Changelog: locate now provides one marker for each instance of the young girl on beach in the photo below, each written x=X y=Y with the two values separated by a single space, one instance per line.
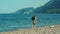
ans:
x=34 y=20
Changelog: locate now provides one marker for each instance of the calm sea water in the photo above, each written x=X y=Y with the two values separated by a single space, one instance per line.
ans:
x=14 y=21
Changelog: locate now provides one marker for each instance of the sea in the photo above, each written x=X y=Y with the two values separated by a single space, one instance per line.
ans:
x=21 y=21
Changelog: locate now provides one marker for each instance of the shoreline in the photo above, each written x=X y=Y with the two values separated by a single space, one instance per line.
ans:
x=22 y=28
x=39 y=30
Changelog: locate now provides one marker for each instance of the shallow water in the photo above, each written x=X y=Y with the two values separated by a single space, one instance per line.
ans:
x=14 y=21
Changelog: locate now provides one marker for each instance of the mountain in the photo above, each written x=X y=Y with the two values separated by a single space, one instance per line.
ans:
x=53 y=6
x=25 y=11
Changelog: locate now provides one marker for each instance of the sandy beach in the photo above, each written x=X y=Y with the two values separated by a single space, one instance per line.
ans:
x=53 y=29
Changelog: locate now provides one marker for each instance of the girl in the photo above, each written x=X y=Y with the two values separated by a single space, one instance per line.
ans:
x=34 y=20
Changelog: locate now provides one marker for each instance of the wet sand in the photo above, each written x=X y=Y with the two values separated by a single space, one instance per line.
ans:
x=53 y=29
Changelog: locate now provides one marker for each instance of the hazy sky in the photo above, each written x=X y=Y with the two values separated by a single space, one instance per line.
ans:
x=8 y=6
